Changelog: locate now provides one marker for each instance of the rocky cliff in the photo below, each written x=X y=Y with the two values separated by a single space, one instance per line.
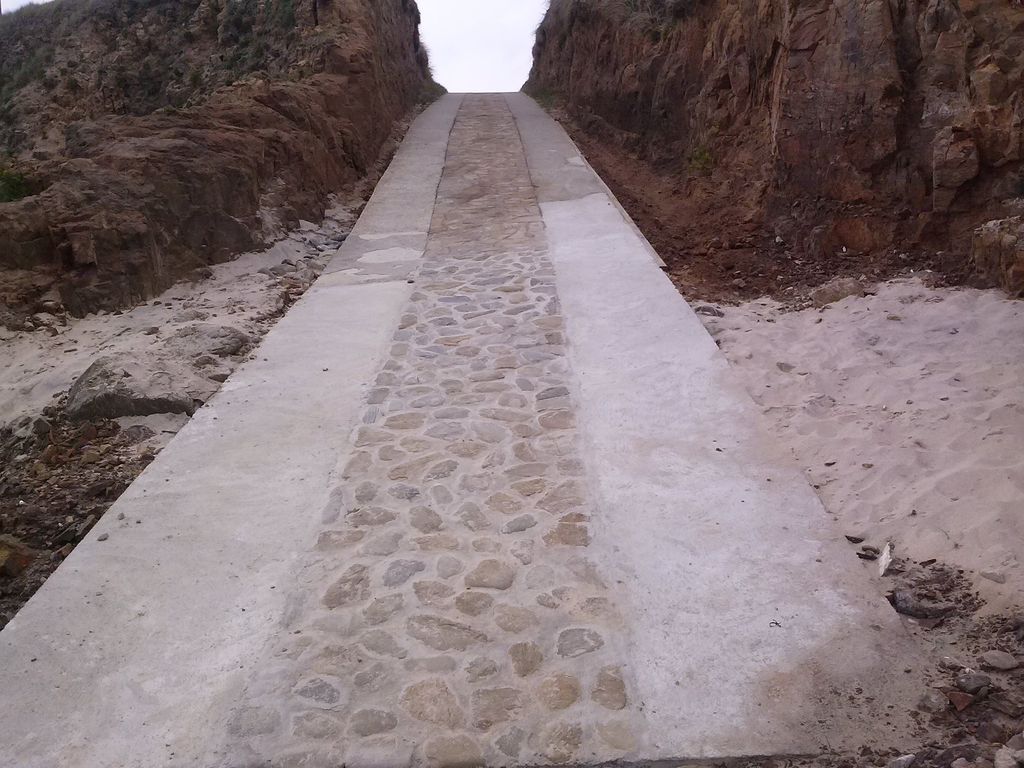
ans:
x=842 y=133
x=148 y=138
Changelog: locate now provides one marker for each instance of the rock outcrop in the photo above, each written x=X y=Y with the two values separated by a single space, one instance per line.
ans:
x=860 y=126
x=164 y=136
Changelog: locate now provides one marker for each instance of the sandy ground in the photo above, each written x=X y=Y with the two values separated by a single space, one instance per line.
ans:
x=906 y=409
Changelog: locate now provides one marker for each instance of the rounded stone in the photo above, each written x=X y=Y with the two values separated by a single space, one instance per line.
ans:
x=383 y=644
x=523 y=550
x=576 y=642
x=353 y=587
x=561 y=741
x=432 y=592
x=617 y=735
x=480 y=668
x=405 y=421
x=568 y=535
x=559 y=691
x=431 y=701
x=383 y=545
x=466 y=449
x=453 y=752
x=1000 y=660
x=443 y=634
x=496 y=705
x=371 y=679
x=610 y=689
x=491 y=574
x=473 y=603
x=513 y=619
x=316 y=725
x=526 y=658
x=448 y=566
x=557 y=420
x=367 y=722
x=442 y=470
x=530 y=487
x=511 y=743
x=400 y=571
x=404 y=492
x=365 y=492
x=370 y=516
x=329 y=540
x=519 y=524
x=473 y=517
x=425 y=519
x=382 y=609
x=319 y=690
x=441 y=494
x=437 y=541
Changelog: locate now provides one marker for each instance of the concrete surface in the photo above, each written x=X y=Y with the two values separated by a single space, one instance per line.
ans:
x=488 y=495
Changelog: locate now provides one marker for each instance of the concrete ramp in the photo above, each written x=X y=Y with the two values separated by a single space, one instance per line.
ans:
x=488 y=495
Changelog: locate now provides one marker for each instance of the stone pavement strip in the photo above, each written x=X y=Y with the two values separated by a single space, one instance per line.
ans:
x=454 y=573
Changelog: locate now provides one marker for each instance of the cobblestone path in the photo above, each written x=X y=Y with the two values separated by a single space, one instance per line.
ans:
x=452 y=615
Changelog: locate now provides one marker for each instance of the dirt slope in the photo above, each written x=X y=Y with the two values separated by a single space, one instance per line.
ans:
x=167 y=135
x=845 y=133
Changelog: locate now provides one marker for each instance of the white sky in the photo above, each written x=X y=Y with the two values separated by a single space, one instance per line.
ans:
x=481 y=45
x=475 y=45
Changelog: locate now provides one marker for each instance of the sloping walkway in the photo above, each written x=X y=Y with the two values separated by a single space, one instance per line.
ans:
x=487 y=495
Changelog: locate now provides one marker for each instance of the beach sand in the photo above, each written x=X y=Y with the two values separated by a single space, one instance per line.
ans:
x=906 y=410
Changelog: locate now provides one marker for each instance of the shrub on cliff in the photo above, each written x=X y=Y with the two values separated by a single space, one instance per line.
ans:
x=13 y=186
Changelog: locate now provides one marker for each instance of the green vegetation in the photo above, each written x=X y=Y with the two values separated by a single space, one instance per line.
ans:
x=701 y=161
x=432 y=91
x=13 y=186
x=547 y=99
x=283 y=13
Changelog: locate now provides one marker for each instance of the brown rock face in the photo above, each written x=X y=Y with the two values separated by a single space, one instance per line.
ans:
x=998 y=252
x=864 y=125
x=165 y=136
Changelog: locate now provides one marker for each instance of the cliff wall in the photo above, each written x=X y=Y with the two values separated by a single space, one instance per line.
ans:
x=845 y=131
x=155 y=137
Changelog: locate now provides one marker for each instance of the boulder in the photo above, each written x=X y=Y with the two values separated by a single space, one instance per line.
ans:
x=112 y=387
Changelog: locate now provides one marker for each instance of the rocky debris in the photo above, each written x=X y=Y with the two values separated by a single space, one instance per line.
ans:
x=57 y=478
x=973 y=682
x=906 y=603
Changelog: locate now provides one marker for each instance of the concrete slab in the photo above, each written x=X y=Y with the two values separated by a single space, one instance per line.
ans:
x=754 y=632
x=487 y=496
